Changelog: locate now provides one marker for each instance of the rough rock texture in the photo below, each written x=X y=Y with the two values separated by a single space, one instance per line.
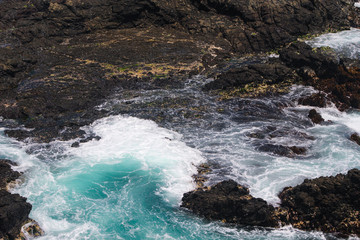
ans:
x=328 y=204
x=315 y=100
x=7 y=175
x=59 y=59
x=315 y=116
x=321 y=69
x=14 y=210
x=337 y=80
x=231 y=203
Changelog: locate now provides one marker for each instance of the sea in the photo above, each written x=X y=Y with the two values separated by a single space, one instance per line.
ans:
x=129 y=184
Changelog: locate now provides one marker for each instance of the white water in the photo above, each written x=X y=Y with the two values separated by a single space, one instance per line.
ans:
x=129 y=184
x=346 y=43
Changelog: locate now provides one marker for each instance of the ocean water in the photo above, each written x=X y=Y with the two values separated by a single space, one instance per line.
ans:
x=129 y=184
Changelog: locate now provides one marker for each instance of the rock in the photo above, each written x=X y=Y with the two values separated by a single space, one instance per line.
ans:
x=259 y=73
x=355 y=138
x=231 y=203
x=7 y=175
x=283 y=150
x=60 y=59
x=322 y=69
x=31 y=229
x=315 y=116
x=14 y=210
x=298 y=150
x=328 y=204
x=315 y=100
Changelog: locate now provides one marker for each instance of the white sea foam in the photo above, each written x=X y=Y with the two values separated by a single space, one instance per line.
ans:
x=144 y=141
x=346 y=43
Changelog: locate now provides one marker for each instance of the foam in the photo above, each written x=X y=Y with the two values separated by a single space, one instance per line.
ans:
x=144 y=141
x=346 y=43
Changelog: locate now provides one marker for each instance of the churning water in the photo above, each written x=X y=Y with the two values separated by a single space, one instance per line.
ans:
x=129 y=184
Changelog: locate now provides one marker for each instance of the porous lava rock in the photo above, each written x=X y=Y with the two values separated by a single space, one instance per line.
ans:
x=14 y=210
x=229 y=202
x=328 y=204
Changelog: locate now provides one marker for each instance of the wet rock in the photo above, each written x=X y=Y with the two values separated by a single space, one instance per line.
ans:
x=7 y=175
x=247 y=78
x=328 y=204
x=315 y=100
x=14 y=210
x=355 y=138
x=231 y=203
x=283 y=150
x=276 y=149
x=31 y=229
x=298 y=150
x=322 y=69
x=315 y=116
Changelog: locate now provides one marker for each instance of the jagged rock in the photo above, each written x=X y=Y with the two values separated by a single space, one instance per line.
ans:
x=229 y=202
x=60 y=59
x=14 y=210
x=315 y=116
x=7 y=175
x=328 y=204
x=322 y=69
x=315 y=100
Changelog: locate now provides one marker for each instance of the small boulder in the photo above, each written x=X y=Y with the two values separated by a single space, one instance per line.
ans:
x=315 y=116
x=355 y=137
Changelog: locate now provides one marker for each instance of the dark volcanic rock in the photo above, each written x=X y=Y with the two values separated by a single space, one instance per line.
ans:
x=231 y=203
x=14 y=211
x=7 y=175
x=321 y=68
x=328 y=204
x=282 y=150
x=355 y=137
x=315 y=116
x=315 y=100
x=259 y=73
x=59 y=59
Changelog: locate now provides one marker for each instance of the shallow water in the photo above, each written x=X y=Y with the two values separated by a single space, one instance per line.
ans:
x=129 y=184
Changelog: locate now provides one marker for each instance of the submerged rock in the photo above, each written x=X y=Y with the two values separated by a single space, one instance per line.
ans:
x=283 y=150
x=229 y=202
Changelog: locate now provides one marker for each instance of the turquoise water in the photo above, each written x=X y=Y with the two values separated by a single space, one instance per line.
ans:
x=129 y=184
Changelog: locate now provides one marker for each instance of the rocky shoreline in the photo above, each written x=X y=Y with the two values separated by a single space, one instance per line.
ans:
x=327 y=204
x=60 y=59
